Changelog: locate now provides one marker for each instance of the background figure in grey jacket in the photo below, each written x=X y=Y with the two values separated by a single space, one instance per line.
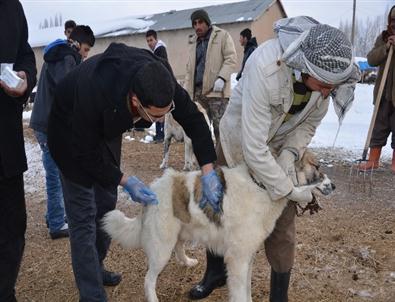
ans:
x=385 y=120
x=249 y=43
x=60 y=58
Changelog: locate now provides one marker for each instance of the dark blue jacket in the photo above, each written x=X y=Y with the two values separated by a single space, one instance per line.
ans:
x=248 y=50
x=59 y=59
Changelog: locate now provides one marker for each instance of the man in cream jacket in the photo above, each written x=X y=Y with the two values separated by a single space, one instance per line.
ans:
x=272 y=116
x=212 y=59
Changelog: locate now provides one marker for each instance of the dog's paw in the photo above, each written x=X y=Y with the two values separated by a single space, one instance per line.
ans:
x=163 y=166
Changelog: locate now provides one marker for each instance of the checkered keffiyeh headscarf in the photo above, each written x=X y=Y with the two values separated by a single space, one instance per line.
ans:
x=322 y=52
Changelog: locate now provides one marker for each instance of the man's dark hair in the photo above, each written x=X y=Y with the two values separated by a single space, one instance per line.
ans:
x=154 y=85
x=246 y=33
x=83 y=34
x=152 y=33
x=69 y=24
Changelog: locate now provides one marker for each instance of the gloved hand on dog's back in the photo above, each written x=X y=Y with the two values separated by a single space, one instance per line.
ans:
x=212 y=191
x=302 y=195
x=139 y=192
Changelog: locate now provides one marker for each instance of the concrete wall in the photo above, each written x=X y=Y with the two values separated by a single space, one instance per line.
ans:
x=177 y=40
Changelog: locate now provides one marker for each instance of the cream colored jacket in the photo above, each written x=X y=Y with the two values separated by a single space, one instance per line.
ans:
x=221 y=59
x=252 y=126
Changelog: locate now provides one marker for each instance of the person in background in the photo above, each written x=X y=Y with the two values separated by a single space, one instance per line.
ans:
x=212 y=59
x=59 y=60
x=69 y=25
x=158 y=47
x=14 y=50
x=385 y=120
x=249 y=43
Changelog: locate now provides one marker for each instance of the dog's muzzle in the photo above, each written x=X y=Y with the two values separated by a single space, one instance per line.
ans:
x=326 y=187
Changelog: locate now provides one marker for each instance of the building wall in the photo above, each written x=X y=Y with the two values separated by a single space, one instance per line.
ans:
x=177 y=40
x=262 y=28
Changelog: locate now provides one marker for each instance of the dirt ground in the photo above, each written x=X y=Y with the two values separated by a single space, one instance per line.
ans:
x=346 y=252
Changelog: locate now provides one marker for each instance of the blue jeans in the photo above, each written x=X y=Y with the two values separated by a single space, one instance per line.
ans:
x=55 y=206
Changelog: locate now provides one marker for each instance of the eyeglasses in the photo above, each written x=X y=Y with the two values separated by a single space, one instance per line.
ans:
x=154 y=119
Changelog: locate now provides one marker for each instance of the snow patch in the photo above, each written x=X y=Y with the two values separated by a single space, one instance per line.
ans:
x=35 y=175
x=26 y=115
x=355 y=125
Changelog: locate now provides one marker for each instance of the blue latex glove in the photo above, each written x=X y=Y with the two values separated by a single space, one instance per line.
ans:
x=212 y=191
x=139 y=191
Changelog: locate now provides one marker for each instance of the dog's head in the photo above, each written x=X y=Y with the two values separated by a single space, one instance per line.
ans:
x=307 y=171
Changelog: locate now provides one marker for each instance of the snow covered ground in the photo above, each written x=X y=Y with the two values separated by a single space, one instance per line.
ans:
x=355 y=126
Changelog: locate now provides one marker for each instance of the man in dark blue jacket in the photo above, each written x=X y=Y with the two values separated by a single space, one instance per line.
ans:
x=60 y=58
x=249 y=43
x=158 y=47
x=14 y=50
x=122 y=88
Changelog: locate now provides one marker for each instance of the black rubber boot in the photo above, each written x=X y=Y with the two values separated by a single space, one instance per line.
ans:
x=279 y=283
x=214 y=277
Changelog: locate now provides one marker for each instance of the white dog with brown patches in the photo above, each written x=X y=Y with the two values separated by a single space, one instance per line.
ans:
x=247 y=219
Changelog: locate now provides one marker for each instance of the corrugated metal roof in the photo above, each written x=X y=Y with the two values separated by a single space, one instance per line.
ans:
x=219 y=14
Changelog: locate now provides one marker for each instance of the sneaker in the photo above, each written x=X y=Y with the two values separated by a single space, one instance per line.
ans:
x=62 y=233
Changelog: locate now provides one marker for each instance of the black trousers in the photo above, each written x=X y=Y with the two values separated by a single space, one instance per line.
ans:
x=85 y=207
x=12 y=234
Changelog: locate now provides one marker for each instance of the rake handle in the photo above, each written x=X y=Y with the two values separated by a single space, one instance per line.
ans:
x=378 y=101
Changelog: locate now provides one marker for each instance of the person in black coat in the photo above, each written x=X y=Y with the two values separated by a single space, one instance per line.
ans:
x=122 y=88
x=14 y=50
x=249 y=43
x=158 y=47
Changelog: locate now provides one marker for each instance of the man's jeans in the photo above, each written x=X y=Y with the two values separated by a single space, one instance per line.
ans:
x=85 y=207
x=55 y=206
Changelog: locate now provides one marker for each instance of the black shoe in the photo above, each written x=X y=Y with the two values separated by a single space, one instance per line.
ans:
x=214 y=277
x=59 y=234
x=111 y=278
x=62 y=233
x=279 y=283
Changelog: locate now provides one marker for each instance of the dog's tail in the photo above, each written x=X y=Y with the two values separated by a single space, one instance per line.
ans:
x=122 y=229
